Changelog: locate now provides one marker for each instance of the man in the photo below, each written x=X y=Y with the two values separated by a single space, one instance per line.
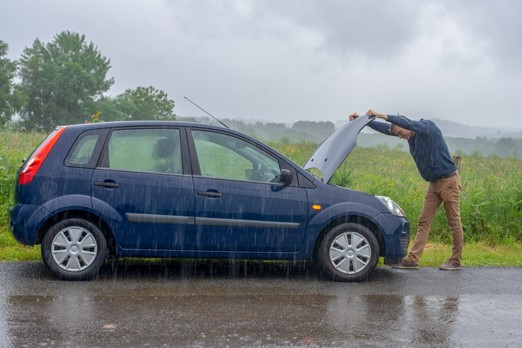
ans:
x=431 y=155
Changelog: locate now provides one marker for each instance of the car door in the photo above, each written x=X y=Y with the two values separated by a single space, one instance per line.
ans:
x=144 y=177
x=240 y=203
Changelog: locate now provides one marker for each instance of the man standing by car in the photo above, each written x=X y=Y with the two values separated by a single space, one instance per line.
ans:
x=431 y=155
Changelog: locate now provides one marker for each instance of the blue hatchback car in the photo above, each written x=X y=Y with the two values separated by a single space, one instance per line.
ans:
x=186 y=190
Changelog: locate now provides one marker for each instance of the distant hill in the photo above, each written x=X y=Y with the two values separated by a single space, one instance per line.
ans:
x=457 y=130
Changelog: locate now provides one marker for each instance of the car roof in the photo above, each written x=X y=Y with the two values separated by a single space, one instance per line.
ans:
x=149 y=123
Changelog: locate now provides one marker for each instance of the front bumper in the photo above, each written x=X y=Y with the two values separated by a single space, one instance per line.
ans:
x=400 y=248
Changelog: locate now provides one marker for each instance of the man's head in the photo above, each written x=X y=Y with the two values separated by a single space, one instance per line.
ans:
x=401 y=132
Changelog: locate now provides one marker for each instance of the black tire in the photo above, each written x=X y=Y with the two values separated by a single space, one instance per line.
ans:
x=349 y=252
x=74 y=249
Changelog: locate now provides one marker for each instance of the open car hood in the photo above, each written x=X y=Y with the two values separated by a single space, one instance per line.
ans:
x=334 y=149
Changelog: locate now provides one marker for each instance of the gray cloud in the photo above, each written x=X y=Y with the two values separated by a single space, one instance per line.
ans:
x=497 y=24
x=373 y=28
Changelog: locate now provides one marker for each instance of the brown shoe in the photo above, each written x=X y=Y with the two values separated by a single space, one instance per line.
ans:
x=406 y=264
x=450 y=266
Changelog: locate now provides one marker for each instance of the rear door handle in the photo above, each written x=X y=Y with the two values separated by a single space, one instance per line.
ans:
x=107 y=184
x=213 y=194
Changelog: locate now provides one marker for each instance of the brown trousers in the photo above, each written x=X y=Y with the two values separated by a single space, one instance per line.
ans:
x=447 y=192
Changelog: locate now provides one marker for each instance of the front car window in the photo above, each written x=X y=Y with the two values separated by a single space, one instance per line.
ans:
x=144 y=150
x=228 y=157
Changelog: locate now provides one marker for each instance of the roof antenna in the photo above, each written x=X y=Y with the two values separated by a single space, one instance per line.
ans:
x=199 y=107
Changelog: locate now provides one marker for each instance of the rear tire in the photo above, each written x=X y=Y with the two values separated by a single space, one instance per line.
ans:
x=349 y=252
x=74 y=249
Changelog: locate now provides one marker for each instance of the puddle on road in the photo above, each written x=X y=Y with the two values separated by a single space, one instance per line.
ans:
x=155 y=305
x=210 y=316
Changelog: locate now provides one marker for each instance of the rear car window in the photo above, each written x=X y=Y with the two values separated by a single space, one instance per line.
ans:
x=144 y=150
x=83 y=150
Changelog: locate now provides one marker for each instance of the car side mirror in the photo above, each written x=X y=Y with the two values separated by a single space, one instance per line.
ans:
x=286 y=177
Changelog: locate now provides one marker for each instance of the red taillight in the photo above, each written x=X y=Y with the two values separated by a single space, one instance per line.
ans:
x=33 y=164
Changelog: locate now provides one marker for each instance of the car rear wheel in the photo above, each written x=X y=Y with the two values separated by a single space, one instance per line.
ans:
x=349 y=252
x=74 y=249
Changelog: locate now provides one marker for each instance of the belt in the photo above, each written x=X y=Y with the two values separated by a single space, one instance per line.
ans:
x=446 y=176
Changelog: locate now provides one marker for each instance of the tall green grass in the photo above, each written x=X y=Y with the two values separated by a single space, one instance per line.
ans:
x=14 y=147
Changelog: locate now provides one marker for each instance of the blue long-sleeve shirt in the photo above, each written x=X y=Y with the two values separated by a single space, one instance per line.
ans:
x=427 y=147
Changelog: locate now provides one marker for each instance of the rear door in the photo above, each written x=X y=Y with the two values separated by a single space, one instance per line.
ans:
x=144 y=177
x=240 y=204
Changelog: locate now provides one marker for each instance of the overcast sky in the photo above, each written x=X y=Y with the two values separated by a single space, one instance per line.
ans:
x=290 y=60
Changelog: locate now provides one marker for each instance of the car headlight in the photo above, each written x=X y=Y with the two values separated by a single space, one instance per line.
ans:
x=393 y=207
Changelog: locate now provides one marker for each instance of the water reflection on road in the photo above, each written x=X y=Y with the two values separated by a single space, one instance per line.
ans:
x=263 y=306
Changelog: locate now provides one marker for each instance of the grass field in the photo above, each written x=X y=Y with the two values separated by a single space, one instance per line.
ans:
x=491 y=202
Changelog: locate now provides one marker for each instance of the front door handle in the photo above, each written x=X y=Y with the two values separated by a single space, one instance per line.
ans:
x=213 y=194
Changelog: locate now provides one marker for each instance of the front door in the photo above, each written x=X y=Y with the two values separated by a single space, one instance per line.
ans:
x=240 y=204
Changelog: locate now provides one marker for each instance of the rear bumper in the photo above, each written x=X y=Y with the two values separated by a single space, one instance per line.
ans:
x=25 y=220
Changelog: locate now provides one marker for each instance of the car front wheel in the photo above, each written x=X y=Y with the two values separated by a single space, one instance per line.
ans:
x=349 y=252
x=74 y=249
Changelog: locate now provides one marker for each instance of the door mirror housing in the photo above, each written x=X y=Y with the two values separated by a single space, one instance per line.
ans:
x=286 y=177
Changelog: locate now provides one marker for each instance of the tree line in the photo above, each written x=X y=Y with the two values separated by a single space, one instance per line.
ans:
x=63 y=82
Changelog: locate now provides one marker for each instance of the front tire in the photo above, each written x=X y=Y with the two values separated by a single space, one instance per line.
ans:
x=74 y=249
x=349 y=252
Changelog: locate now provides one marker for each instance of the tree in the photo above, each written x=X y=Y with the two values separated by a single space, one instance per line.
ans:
x=62 y=81
x=9 y=101
x=506 y=147
x=108 y=110
x=145 y=103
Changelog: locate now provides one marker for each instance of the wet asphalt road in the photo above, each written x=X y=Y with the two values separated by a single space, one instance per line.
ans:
x=213 y=304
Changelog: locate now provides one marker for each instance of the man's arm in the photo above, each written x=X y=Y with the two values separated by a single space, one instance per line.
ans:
x=418 y=127
x=381 y=127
